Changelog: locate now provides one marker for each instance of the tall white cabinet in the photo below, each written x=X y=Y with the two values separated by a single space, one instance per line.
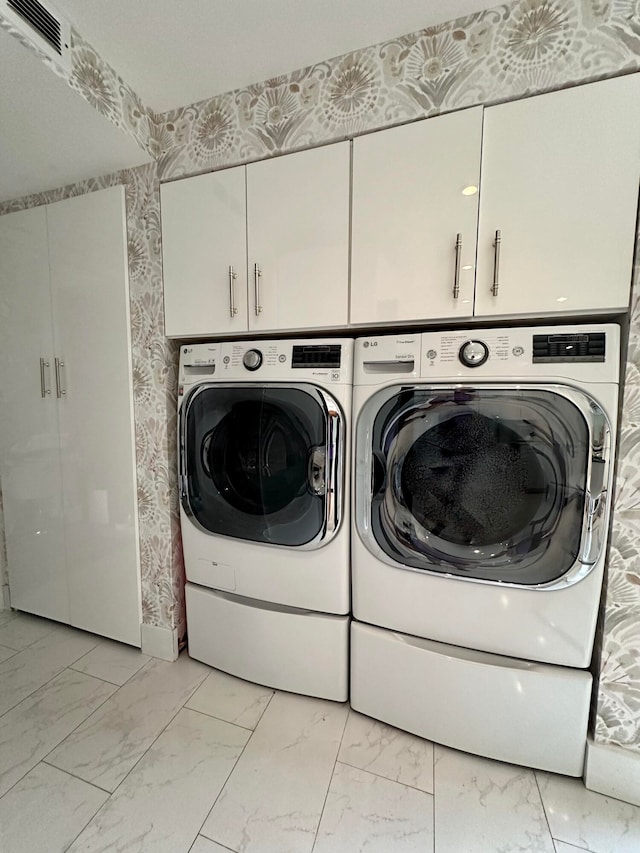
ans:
x=67 y=468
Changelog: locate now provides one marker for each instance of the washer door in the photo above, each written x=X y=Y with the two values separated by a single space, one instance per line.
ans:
x=495 y=484
x=262 y=463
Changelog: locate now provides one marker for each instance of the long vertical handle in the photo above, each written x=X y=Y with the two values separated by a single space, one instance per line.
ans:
x=232 y=292
x=496 y=263
x=60 y=391
x=43 y=385
x=257 y=274
x=456 y=276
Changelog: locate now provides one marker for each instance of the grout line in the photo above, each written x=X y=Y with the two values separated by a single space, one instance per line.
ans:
x=326 y=796
x=220 y=792
x=73 y=776
x=544 y=810
x=386 y=778
x=219 y=719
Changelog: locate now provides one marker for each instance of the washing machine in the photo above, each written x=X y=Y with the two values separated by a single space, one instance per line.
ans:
x=264 y=432
x=483 y=470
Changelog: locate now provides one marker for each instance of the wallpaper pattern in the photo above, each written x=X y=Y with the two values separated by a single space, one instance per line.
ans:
x=515 y=49
x=155 y=379
x=509 y=51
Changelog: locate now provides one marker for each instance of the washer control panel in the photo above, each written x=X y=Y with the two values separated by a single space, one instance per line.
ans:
x=473 y=353
x=252 y=359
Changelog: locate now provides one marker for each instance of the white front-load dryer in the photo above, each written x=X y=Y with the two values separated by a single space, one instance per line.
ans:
x=483 y=464
x=264 y=432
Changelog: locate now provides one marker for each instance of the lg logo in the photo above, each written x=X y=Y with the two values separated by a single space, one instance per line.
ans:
x=366 y=344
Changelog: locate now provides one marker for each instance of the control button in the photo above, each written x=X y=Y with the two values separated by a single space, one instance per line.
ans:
x=431 y=354
x=282 y=358
x=226 y=359
x=518 y=351
x=473 y=353
x=252 y=359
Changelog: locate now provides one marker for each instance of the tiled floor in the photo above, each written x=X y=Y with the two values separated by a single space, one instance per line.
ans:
x=104 y=749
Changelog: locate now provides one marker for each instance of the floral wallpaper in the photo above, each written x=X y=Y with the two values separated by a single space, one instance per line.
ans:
x=509 y=51
x=155 y=379
x=513 y=50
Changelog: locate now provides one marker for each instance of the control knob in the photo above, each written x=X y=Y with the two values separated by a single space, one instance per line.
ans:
x=252 y=359
x=473 y=353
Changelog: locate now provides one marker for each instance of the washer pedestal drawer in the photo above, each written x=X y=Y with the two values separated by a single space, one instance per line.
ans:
x=503 y=708
x=281 y=647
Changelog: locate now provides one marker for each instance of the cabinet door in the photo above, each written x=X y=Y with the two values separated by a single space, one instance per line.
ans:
x=560 y=182
x=87 y=247
x=29 y=447
x=298 y=237
x=408 y=208
x=204 y=252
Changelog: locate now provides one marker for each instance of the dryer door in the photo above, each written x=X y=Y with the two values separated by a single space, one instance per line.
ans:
x=262 y=463
x=495 y=484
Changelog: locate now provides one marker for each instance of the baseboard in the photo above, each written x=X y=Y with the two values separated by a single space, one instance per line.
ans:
x=159 y=642
x=613 y=771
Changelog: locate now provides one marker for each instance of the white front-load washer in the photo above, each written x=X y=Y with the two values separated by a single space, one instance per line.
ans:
x=264 y=432
x=482 y=481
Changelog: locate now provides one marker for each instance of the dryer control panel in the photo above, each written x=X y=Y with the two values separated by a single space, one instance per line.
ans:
x=325 y=362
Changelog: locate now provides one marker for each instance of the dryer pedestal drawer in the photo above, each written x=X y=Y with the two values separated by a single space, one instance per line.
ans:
x=281 y=647
x=503 y=708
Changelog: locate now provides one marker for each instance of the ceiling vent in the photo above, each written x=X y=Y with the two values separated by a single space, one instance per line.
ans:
x=42 y=26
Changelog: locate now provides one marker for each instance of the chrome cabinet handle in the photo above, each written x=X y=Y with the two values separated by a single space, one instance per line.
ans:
x=60 y=391
x=232 y=294
x=456 y=276
x=43 y=385
x=496 y=263
x=257 y=274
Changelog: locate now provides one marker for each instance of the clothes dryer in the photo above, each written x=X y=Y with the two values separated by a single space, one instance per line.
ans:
x=264 y=505
x=483 y=474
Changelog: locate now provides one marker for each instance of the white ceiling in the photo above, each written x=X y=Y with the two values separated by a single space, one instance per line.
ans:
x=174 y=53
x=49 y=136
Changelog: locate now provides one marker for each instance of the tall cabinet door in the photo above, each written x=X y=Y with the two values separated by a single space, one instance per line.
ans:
x=409 y=206
x=30 y=476
x=298 y=239
x=204 y=251
x=560 y=183
x=89 y=287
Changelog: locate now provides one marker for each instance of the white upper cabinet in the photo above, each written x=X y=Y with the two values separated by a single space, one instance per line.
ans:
x=298 y=238
x=294 y=211
x=408 y=210
x=560 y=183
x=204 y=250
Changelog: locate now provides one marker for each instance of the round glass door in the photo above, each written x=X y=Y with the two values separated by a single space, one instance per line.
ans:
x=482 y=483
x=253 y=462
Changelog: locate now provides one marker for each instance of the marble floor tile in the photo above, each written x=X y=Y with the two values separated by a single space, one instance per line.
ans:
x=112 y=662
x=108 y=744
x=231 y=699
x=387 y=751
x=26 y=671
x=586 y=819
x=45 y=811
x=21 y=630
x=161 y=805
x=365 y=812
x=273 y=800
x=6 y=652
x=483 y=805
x=203 y=845
x=6 y=615
x=34 y=727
